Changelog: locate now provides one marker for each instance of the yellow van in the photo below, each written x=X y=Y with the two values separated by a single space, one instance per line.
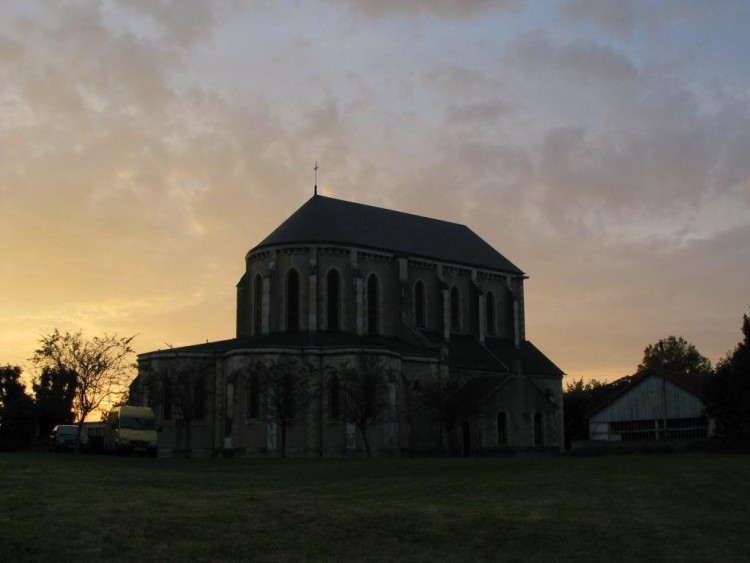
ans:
x=130 y=429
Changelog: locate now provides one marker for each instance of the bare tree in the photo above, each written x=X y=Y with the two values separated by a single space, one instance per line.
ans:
x=439 y=401
x=364 y=387
x=285 y=389
x=186 y=378
x=103 y=367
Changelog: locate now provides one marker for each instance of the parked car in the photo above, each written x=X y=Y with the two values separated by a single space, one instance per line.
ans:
x=94 y=432
x=63 y=438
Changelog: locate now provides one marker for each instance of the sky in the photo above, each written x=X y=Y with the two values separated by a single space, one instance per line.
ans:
x=603 y=146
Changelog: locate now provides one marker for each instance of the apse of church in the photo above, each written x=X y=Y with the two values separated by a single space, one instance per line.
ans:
x=339 y=282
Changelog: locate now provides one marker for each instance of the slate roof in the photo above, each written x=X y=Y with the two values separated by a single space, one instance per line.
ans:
x=495 y=355
x=301 y=340
x=326 y=220
x=464 y=352
x=476 y=391
x=533 y=360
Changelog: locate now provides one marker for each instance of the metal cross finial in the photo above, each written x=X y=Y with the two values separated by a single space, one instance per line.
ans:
x=316 y=177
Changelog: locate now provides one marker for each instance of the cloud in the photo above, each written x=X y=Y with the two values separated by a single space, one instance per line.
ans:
x=577 y=60
x=619 y=17
x=476 y=114
x=183 y=22
x=442 y=9
x=627 y=19
x=145 y=149
x=644 y=147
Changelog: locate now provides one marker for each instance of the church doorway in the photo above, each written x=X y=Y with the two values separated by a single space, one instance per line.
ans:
x=466 y=431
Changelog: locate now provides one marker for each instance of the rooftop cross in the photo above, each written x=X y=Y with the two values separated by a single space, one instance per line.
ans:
x=316 y=177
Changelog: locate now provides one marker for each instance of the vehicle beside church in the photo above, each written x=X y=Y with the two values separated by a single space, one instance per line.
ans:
x=130 y=429
x=63 y=438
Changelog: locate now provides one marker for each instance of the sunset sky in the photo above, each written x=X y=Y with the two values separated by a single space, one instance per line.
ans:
x=603 y=146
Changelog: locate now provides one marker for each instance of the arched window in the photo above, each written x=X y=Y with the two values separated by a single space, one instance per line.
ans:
x=292 y=301
x=199 y=399
x=334 y=398
x=253 y=397
x=419 y=304
x=455 y=310
x=258 y=305
x=369 y=394
x=288 y=398
x=333 y=296
x=538 y=431
x=489 y=316
x=373 y=305
x=502 y=429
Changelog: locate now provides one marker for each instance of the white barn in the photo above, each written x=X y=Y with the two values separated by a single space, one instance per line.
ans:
x=656 y=405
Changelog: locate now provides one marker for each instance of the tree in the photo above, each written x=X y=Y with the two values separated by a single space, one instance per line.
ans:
x=364 y=389
x=578 y=400
x=675 y=354
x=16 y=410
x=102 y=366
x=185 y=378
x=439 y=401
x=285 y=390
x=728 y=401
x=54 y=391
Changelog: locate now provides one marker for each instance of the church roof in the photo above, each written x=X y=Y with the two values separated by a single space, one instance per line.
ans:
x=464 y=352
x=325 y=220
x=532 y=359
x=300 y=341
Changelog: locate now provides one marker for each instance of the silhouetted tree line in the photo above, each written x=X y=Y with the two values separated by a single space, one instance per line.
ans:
x=728 y=394
x=77 y=376
x=23 y=416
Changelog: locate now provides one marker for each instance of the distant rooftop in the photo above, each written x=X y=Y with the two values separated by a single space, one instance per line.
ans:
x=325 y=220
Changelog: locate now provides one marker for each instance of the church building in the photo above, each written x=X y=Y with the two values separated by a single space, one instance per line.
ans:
x=338 y=287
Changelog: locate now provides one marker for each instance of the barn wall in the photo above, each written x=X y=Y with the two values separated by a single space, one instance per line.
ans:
x=653 y=409
x=647 y=401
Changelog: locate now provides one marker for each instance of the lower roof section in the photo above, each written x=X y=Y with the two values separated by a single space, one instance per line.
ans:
x=463 y=352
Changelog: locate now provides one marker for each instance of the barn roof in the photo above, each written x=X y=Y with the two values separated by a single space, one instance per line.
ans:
x=325 y=220
x=691 y=383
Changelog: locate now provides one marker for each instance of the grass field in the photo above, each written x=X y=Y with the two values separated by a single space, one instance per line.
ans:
x=634 y=508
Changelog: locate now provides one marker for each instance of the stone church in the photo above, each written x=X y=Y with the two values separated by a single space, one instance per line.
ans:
x=335 y=283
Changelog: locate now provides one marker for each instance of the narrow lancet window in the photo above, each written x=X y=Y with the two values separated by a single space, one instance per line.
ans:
x=502 y=429
x=419 y=304
x=455 y=310
x=373 y=305
x=489 y=317
x=333 y=296
x=258 y=305
x=538 y=430
x=253 y=398
x=292 y=301
x=334 y=398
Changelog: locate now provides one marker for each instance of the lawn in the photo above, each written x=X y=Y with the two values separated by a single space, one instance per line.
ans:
x=634 y=508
